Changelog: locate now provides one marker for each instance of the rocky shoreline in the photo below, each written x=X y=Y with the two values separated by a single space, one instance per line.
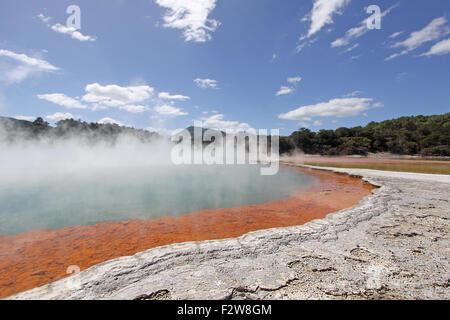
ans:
x=394 y=245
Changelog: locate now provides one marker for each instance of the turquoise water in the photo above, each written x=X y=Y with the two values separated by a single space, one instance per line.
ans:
x=116 y=194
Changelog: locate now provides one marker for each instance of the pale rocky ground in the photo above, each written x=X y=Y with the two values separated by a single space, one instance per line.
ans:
x=394 y=245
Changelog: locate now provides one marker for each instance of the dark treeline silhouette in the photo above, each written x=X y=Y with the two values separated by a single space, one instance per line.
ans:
x=419 y=135
x=13 y=130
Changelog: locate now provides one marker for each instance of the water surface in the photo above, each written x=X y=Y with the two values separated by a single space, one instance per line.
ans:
x=85 y=197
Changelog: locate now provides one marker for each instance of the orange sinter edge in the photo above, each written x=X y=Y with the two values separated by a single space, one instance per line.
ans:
x=32 y=259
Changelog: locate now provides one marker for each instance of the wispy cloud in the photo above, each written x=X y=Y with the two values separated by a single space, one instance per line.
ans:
x=356 y=32
x=432 y=32
x=44 y=18
x=168 y=96
x=439 y=49
x=285 y=90
x=23 y=67
x=62 y=100
x=274 y=57
x=322 y=14
x=167 y=110
x=352 y=94
x=74 y=33
x=206 y=83
x=217 y=122
x=190 y=16
x=395 y=35
x=294 y=80
x=353 y=47
x=57 y=27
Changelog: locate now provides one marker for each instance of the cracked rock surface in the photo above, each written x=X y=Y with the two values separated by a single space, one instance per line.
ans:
x=393 y=245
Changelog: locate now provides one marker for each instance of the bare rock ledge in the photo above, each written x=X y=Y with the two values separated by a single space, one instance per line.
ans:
x=393 y=245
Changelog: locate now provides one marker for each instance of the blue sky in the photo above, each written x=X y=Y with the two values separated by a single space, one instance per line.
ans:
x=234 y=64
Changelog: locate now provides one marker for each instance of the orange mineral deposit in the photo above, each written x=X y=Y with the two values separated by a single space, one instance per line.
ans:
x=33 y=259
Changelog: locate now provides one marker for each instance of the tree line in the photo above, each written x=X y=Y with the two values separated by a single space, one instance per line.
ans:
x=91 y=133
x=416 y=135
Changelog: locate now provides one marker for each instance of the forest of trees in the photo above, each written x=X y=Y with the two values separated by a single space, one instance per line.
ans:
x=419 y=135
x=13 y=130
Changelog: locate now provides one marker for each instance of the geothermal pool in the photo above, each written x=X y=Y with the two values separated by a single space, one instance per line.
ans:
x=229 y=203
x=45 y=200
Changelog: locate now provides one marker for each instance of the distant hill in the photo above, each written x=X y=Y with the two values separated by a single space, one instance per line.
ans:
x=417 y=135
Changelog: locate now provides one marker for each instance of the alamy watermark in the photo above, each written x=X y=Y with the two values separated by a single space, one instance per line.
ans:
x=374 y=21
x=74 y=20
x=200 y=146
x=73 y=283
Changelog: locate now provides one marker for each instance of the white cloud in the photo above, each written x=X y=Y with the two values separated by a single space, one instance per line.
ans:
x=44 y=18
x=216 y=122
x=294 y=80
x=74 y=33
x=339 y=107
x=378 y=105
x=322 y=14
x=60 y=116
x=134 y=108
x=433 y=31
x=133 y=99
x=440 y=48
x=302 y=46
x=284 y=90
x=274 y=57
x=288 y=90
x=24 y=67
x=352 y=94
x=356 y=45
x=27 y=118
x=110 y=121
x=167 y=110
x=40 y=64
x=62 y=100
x=168 y=96
x=114 y=95
x=395 y=35
x=191 y=17
x=358 y=31
x=351 y=34
x=206 y=83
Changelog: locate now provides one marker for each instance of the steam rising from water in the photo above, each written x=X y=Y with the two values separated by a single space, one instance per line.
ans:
x=59 y=183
